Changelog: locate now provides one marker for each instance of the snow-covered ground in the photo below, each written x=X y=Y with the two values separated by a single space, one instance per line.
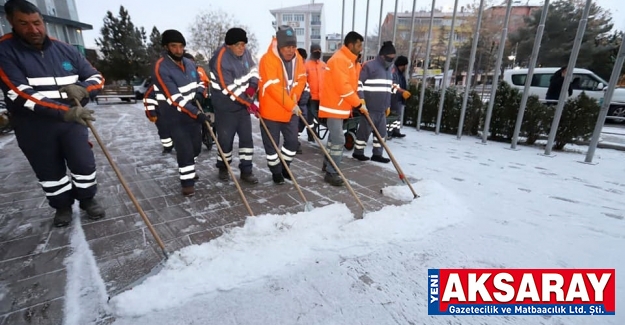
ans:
x=481 y=206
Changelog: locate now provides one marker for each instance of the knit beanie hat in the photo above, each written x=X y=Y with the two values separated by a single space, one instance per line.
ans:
x=401 y=60
x=236 y=35
x=315 y=47
x=172 y=36
x=387 y=48
x=286 y=37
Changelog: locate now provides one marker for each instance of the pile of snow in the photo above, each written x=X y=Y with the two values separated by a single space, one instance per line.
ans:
x=277 y=246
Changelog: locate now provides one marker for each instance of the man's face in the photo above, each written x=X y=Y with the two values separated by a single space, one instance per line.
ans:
x=238 y=48
x=287 y=52
x=402 y=68
x=355 y=48
x=563 y=72
x=175 y=49
x=29 y=27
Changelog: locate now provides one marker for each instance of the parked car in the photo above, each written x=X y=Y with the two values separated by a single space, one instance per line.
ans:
x=587 y=81
x=140 y=86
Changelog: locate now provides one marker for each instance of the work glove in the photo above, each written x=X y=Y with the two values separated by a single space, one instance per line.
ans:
x=75 y=92
x=363 y=107
x=79 y=115
x=253 y=109
x=250 y=92
x=296 y=111
x=153 y=119
x=406 y=94
x=201 y=118
x=388 y=111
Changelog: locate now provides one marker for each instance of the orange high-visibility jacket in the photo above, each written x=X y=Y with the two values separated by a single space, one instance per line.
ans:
x=315 y=70
x=339 y=93
x=275 y=92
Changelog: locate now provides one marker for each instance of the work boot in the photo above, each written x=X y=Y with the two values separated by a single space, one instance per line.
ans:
x=397 y=134
x=196 y=177
x=278 y=178
x=188 y=191
x=249 y=178
x=285 y=174
x=360 y=157
x=63 y=217
x=94 y=210
x=333 y=179
x=324 y=167
x=167 y=150
x=380 y=159
x=223 y=174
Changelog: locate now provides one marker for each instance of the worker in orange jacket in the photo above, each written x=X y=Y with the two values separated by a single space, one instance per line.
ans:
x=282 y=81
x=315 y=69
x=339 y=95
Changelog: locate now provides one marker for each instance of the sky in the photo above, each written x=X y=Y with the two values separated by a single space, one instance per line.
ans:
x=255 y=14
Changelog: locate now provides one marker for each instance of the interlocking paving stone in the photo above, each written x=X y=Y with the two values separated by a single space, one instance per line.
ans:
x=32 y=252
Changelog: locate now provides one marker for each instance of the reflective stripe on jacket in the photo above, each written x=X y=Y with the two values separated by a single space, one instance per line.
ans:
x=175 y=87
x=376 y=85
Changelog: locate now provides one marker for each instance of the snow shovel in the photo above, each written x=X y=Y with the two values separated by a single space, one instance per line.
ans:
x=225 y=160
x=327 y=154
x=145 y=218
x=307 y=205
x=402 y=176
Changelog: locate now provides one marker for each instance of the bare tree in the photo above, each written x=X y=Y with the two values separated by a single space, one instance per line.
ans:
x=208 y=32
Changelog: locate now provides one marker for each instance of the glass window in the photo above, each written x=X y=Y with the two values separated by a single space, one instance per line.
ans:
x=298 y=17
x=299 y=31
x=519 y=79
x=51 y=30
x=541 y=80
x=301 y=45
x=315 y=31
x=584 y=82
x=287 y=17
x=315 y=17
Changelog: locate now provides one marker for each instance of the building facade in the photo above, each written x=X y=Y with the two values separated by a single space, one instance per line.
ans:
x=61 y=18
x=307 y=20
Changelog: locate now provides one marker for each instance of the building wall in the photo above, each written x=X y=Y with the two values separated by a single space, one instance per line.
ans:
x=309 y=25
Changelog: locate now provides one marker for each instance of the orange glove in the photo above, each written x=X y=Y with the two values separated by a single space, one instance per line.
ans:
x=406 y=94
x=152 y=119
x=363 y=107
x=388 y=111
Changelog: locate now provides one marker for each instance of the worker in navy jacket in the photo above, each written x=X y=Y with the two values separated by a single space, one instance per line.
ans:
x=40 y=78
x=176 y=87
x=233 y=86
x=375 y=86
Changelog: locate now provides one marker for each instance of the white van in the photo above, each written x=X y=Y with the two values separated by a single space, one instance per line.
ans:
x=588 y=82
x=140 y=86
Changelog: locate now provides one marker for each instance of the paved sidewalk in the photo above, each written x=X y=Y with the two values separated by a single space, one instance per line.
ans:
x=32 y=252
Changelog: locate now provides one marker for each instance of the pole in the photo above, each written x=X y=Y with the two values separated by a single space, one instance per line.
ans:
x=343 y=21
x=439 y=115
x=569 y=75
x=530 y=75
x=425 y=67
x=395 y=22
x=380 y=24
x=364 y=54
x=354 y=15
x=408 y=71
x=467 y=88
x=496 y=72
x=616 y=72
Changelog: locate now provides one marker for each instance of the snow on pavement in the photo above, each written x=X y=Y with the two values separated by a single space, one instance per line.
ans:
x=481 y=206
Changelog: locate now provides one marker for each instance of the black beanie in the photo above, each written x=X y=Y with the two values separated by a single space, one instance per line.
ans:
x=236 y=35
x=302 y=53
x=172 y=36
x=286 y=37
x=387 y=48
x=401 y=60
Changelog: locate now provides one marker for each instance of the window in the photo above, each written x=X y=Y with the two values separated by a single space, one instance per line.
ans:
x=519 y=79
x=315 y=31
x=332 y=46
x=287 y=17
x=585 y=82
x=298 y=17
x=299 y=31
x=315 y=17
x=301 y=45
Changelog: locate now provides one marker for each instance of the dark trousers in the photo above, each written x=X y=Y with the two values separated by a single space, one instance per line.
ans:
x=289 y=147
x=53 y=146
x=186 y=134
x=227 y=125
x=364 y=130
x=312 y=112
x=163 y=133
